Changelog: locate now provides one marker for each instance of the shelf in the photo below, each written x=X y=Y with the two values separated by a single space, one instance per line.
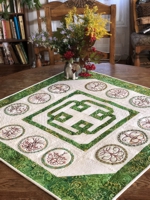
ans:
x=13 y=14
x=11 y=40
x=18 y=50
x=20 y=65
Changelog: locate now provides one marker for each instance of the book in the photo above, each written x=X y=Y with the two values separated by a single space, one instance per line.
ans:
x=1 y=30
x=21 y=25
x=13 y=29
x=17 y=27
x=20 y=53
x=24 y=52
x=16 y=61
x=18 y=5
x=3 y=6
x=1 y=56
x=8 y=56
x=6 y=29
x=11 y=6
x=1 y=33
x=6 y=61
x=15 y=6
x=16 y=52
x=8 y=5
x=1 y=9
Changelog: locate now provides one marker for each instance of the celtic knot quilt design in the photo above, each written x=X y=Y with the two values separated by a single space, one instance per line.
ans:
x=83 y=136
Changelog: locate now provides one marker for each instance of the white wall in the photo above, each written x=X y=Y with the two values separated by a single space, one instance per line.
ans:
x=122 y=27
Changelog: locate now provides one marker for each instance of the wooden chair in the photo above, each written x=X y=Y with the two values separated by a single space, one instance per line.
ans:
x=55 y=11
x=139 y=42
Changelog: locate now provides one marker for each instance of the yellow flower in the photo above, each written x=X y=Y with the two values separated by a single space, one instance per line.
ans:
x=92 y=21
x=70 y=17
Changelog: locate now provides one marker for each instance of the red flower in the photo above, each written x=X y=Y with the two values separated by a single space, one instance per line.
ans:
x=93 y=49
x=68 y=55
x=90 y=66
x=92 y=39
x=85 y=74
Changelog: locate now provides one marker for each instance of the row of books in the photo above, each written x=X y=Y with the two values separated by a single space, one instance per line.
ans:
x=12 y=28
x=12 y=6
x=13 y=53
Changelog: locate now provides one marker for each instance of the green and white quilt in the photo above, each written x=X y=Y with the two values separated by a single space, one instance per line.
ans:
x=85 y=139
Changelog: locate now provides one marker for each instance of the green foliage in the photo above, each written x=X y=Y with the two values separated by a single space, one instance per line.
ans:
x=31 y=4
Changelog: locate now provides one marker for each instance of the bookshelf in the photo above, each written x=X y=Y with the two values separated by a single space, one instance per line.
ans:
x=15 y=51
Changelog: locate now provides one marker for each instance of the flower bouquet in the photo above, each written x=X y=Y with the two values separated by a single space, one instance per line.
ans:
x=76 y=37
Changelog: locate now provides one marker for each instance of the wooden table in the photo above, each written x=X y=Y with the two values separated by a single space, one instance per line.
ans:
x=12 y=185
